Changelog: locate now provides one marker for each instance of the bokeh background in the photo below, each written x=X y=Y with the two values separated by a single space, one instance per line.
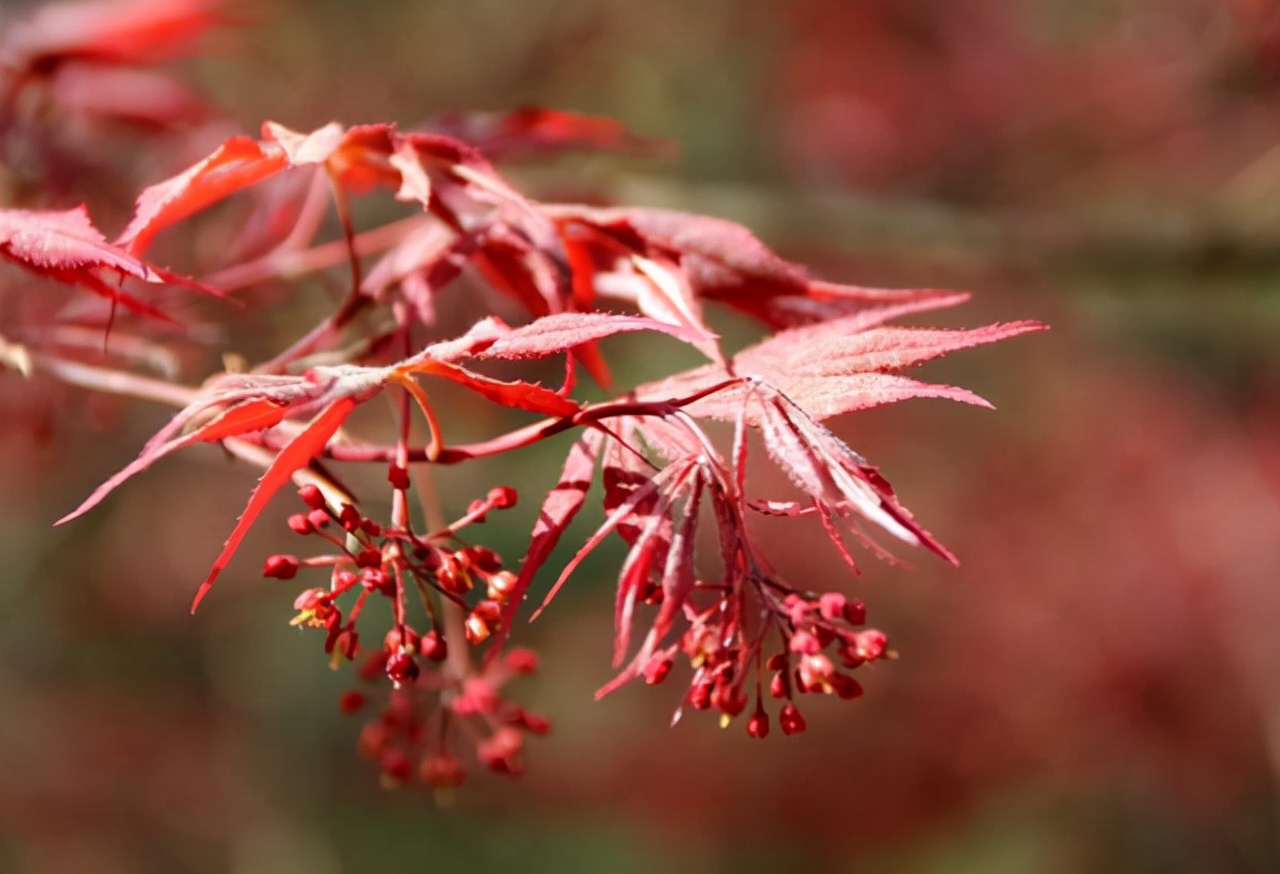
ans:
x=1096 y=689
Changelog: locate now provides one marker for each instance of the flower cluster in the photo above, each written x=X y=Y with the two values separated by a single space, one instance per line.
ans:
x=436 y=699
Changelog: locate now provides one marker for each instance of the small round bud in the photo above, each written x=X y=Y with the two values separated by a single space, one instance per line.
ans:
x=432 y=646
x=502 y=584
x=758 y=724
x=805 y=642
x=402 y=638
x=312 y=496
x=729 y=700
x=871 y=644
x=477 y=629
x=533 y=723
x=442 y=771
x=502 y=497
x=831 y=605
x=501 y=751
x=790 y=720
x=522 y=661
x=396 y=767
x=657 y=669
x=300 y=524
x=281 y=567
x=369 y=557
x=398 y=477
x=349 y=518
x=402 y=668
x=351 y=701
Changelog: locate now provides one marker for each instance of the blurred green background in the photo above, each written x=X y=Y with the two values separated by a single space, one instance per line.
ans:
x=1096 y=689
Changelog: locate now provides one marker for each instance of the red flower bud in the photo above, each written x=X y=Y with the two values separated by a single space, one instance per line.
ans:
x=758 y=724
x=790 y=720
x=522 y=661
x=349 y=519
x=369 y=557
x=831 y=605
x=396 y=767
x=502 y=497
x=300 y=524
x=398 y=477
x=402 y=638
x=477 y=629
x=657 y=669
x=350 y=702
x=871 y=644
x=442 y=771
x=281 y=567
x=312 y=496
x=501 y=584
x=402 y=668
x=432 y=646
x=805 y=642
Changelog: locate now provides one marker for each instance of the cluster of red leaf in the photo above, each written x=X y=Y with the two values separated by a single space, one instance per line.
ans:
x=572 y=277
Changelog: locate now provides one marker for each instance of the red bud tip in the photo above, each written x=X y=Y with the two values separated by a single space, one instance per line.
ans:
x=502 y=497
x=791 y=720
x=522 y=661
x=832 y=605
x=398 y=477
x=280 y=567
x=312 y=497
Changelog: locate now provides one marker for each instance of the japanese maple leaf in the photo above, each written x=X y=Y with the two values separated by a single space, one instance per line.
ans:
x=66 y=247
x=712 y=259
x=115 y=31
x=239 y=405
x=834 y=367
x=535 y=130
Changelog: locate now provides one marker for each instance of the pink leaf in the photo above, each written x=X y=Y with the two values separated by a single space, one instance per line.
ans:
x=559 y=508
x=532 y=129
x=296 y=455
x=236 y=164
x=66 y=247
x=827 y=371
x=553 y=334
x=128 y=32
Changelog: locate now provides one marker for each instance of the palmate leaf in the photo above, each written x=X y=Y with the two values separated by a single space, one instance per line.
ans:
x=565 y=331
x=532 y=130
x=359 y=157
x=833 y=367
x=296 y=455
x=130 y=32
x=716 y=260
x=559 y=509
x=66 y=247
x=236 y=164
